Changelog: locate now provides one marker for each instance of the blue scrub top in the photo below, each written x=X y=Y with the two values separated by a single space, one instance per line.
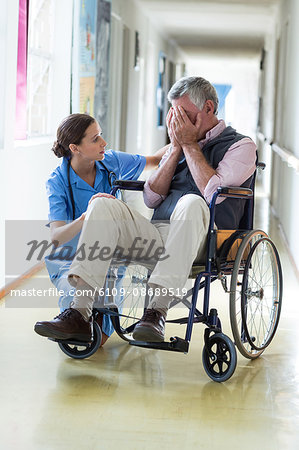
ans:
x=124 y=165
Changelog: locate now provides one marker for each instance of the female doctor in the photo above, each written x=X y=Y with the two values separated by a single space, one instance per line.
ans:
x=81 y=177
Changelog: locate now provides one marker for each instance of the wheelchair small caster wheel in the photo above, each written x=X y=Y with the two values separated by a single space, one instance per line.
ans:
x=81 y=350
x=219 y=357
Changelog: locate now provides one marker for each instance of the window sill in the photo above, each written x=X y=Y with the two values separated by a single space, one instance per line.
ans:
x=34 y=142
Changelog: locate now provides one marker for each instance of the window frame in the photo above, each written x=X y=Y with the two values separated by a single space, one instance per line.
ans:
x=60 y=102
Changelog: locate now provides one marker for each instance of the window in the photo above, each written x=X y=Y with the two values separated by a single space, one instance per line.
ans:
x=41 y=28
x=45 y=48
x=21 y=95
x=2 y=69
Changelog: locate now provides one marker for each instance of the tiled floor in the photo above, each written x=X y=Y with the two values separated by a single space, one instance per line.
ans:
x=132 y=398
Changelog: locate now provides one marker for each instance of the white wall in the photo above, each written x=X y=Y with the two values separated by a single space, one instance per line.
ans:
x=10 y=16
x=285 y=181
x=291 y=116
x=267 y=91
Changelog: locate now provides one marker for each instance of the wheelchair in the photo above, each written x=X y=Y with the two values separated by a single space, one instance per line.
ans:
x=246 y=255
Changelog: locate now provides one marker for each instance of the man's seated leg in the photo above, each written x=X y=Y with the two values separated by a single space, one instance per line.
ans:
x=109 y=224
x=186 y=240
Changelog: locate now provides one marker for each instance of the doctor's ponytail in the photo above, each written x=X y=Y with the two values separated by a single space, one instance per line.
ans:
x=71 y=131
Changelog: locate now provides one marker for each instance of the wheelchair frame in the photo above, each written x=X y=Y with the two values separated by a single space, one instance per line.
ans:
x=219 y=354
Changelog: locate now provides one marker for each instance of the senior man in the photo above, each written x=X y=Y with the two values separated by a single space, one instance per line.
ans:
x=204 y=153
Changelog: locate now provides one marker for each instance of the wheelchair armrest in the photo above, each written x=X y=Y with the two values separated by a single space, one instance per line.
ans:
x=128 y=185
x=234 y=192
x=131 y=185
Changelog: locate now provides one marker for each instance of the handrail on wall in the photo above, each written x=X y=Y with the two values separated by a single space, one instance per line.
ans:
x=284 y=154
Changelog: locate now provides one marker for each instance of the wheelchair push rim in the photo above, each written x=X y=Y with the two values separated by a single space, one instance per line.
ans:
x=256 y=294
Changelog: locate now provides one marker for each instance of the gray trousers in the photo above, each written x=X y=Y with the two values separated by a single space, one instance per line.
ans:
x=111 y=224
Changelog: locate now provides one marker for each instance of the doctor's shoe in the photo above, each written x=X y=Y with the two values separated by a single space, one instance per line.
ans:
x=70 y=324
x=151 y=327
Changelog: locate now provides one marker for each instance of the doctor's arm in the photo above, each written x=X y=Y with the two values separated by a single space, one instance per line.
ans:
x=62 y=232
x=153 y=161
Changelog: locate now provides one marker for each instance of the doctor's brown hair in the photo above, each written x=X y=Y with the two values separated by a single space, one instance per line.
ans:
x=71 y=131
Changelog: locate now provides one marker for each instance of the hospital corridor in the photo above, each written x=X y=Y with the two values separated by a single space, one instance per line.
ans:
x=170 y=127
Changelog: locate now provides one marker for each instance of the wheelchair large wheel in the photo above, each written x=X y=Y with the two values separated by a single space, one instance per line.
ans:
x=82 y=350
x=219 y=357
x=255 y=294
x=132 y=298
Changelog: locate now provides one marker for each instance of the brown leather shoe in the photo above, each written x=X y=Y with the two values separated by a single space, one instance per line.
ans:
x=151 y=327
x=70 y=324
x=99 y=320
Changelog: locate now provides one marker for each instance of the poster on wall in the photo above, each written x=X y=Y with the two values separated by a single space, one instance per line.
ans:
x=102 y=64
x=87 y=60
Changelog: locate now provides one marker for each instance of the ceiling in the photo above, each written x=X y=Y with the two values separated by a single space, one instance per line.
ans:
x=226 y=25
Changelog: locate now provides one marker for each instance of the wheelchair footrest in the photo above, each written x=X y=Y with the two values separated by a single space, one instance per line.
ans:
x=176 y=344
x=71 y=342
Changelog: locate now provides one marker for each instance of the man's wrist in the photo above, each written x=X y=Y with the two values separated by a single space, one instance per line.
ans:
x=176 y=149
x=191 y=146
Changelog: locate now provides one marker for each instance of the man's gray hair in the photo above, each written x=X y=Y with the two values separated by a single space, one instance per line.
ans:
x=198 y=89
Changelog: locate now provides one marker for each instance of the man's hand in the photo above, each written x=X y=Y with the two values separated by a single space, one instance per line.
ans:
x=169 y=122
x=185 y=133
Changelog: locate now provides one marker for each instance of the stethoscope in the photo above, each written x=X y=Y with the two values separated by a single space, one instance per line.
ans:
x=110 y=176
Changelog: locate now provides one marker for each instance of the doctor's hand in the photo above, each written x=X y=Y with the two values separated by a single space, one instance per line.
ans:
x=185 y=132
x=100 y=194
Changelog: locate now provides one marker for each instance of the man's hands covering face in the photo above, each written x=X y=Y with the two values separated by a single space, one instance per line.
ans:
x=174 y=142
x=180 y=128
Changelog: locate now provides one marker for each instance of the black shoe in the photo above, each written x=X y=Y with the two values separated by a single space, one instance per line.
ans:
x=151 y=327
x=70 y=324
